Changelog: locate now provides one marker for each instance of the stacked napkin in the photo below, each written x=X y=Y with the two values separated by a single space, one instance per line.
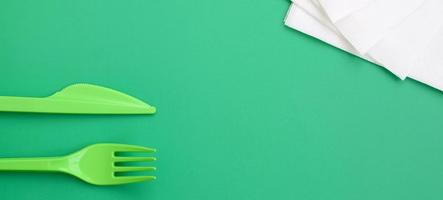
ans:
x=404 y=36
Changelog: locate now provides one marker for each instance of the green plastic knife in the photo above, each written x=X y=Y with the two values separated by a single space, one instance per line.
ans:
x=78 y=99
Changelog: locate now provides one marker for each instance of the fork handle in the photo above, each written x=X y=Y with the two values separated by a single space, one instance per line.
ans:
x=32 y=164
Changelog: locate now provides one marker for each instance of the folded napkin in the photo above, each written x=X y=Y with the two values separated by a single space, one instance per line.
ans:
x=403 y=45
x=339 y=9
x=429 y=69
x=304 y=16
x=365 y=27
x=423 y=45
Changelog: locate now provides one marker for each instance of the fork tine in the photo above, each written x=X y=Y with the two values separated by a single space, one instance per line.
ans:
x=133 y=169
x=134 y=159
x=132 y=148
x=133 y=179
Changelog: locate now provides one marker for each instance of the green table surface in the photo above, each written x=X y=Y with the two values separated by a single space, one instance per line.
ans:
x=247 y=108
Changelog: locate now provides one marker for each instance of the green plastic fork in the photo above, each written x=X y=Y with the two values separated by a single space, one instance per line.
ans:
x=95 y=164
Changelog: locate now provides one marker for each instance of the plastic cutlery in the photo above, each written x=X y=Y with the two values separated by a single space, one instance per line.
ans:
x=98 y=164
x=78 y=99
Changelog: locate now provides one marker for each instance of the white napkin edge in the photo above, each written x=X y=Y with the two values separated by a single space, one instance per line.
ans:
x=338 y=42
x=332 y=37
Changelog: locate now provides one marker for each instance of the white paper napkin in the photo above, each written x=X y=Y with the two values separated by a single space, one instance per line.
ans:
x=300 y=20
x=365 y=27
x=315 y=2
x=315 y=11
x=402 y=46
x=338 y=9
x=325 y=31
x=429 y=64
x=429 y=67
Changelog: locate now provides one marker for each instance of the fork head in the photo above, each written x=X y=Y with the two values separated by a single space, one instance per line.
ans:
x=99 y=164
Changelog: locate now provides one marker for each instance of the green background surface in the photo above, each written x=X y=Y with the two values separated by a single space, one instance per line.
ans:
x=247 y=108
